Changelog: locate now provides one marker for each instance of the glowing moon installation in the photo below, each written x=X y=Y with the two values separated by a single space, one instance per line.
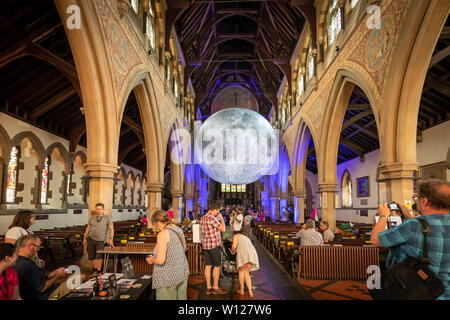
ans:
x=237 y=146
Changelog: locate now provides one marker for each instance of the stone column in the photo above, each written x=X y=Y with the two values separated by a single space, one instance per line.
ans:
x=283 y=204
x=101 y=185
x=177 y=206
x=299 y=206
x=154 y=198
x=274 y=208
x=327 y=206
x=399 y=180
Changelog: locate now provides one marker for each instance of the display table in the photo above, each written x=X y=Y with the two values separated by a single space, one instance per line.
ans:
x=140 y=290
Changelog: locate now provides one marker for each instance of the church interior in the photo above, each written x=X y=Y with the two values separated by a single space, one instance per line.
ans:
x=97 y=96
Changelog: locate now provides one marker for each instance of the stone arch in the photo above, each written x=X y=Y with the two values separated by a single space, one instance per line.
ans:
x=404 y=85
x=80 y=154
x=298 y=165
x=5 y=143
x=176 y=160
x=36 y=142
x=96 y=82
x=64 y=154
x=153 y=135
x=337 y=104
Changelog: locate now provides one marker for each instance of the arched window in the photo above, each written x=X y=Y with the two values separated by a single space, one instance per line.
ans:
x=311 y=64
x=44 y=181
x=301 y=83
x=11 y=183
x=346 y=189
x=334 y=22
x=135 y=5
x=150 y=31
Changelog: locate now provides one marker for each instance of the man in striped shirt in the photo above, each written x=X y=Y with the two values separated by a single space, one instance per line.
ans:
x=212 y=225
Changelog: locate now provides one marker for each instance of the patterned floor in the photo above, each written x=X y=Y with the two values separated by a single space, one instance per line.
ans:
x=272 y=282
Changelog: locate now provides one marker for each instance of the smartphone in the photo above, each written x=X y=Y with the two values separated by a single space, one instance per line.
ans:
x=394 y=206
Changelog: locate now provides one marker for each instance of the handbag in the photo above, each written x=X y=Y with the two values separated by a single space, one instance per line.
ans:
x=410 y=279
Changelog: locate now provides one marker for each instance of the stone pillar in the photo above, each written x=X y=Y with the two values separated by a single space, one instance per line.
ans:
x=299 y=206
x=101 y=185
x=177 y=206
x=399 y=180
x=274 y=208
x=154 y=198
x=327 y=206
x=283 y=204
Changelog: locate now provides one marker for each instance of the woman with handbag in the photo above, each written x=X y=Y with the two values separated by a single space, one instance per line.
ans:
x=171 y=270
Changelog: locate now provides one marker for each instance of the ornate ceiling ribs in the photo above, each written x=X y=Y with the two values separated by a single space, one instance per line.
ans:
x=250 y=43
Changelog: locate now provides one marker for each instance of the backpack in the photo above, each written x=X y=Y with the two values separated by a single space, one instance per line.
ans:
x=410 y=279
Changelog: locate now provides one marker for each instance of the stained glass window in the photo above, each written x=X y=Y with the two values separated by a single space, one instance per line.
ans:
x=233 y=188
x=228 y=188
x=334 y=22
x=11 y=184
x=135 y=5
x=301 y=83
x=44 y=182
x=223 y=187
x=69 y=179
x=150 y=8
x=150 y=31
x=311 y=66
x=238 y=188
x=244 y=188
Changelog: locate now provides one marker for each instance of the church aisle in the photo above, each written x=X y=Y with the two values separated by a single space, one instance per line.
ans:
x=270 y=282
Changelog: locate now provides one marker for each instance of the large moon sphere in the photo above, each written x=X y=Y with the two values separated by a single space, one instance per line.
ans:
x=236 y=146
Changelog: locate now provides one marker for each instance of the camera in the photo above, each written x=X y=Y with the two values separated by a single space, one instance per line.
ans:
x=393 y=206
x=149 y=255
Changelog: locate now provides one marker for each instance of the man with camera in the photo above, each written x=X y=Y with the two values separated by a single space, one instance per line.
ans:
x=433 y=205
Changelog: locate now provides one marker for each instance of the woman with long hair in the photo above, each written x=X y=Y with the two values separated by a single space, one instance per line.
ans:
x=246 y=260
x=171 y=270
x=9 y=281
x=20 y=227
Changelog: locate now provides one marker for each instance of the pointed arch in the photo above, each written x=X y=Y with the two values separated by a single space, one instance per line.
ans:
x=63 y=151
x=346 y=189
x=35 y=141
x=333 y=119
x=5 y=143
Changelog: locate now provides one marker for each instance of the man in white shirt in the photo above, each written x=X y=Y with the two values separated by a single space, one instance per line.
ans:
x=310 y=237
x=328 y=235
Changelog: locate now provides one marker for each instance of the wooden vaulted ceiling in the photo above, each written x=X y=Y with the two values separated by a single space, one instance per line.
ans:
x=248 y=43
x=39 y=82
x=223 y=42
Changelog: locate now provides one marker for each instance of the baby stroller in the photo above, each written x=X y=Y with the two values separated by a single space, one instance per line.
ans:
x=229 y=266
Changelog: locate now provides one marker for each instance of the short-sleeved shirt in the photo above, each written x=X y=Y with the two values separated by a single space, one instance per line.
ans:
x=13 y=281
x=31 y=280
x=211 y=235
x=99 y=227
x=328 y=235
x=310 y=237
x=17 y=232
x=408 y=240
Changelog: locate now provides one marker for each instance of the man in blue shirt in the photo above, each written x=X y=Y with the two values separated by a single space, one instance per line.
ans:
x=433 y=204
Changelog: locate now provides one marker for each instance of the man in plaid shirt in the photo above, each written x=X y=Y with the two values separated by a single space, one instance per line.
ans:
x=433 y=203
x=212 y=225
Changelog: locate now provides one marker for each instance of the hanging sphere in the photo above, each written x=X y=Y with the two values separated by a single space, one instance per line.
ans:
x=237 y=146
